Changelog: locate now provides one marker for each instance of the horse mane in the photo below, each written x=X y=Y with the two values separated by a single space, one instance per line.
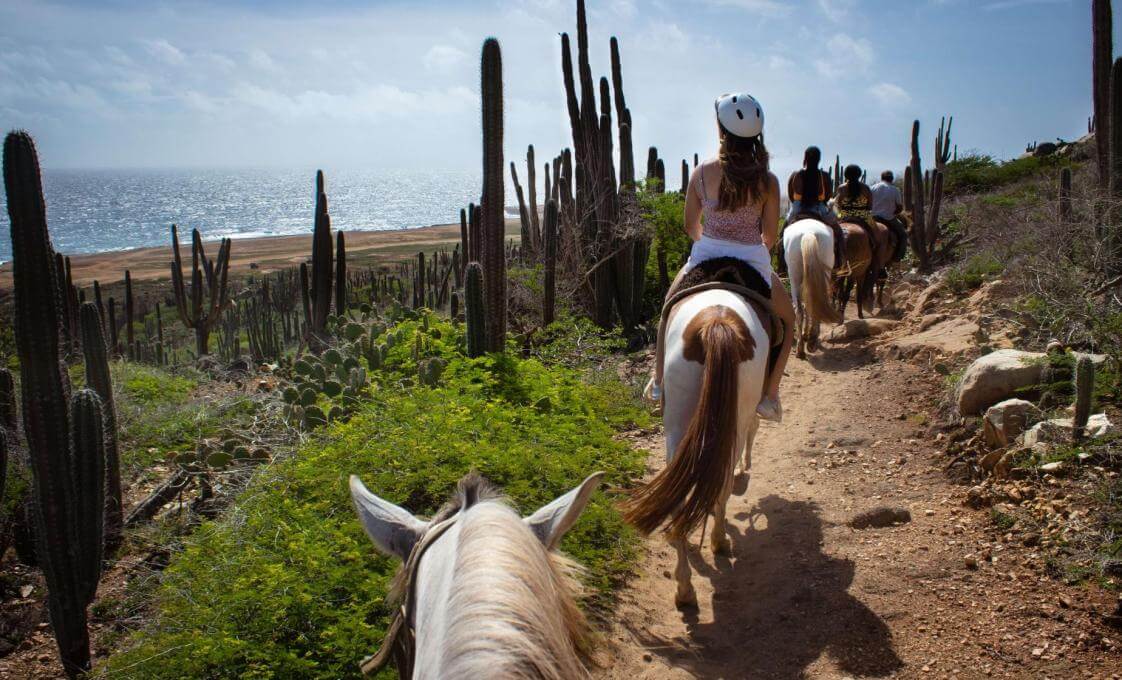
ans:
x=513 y=610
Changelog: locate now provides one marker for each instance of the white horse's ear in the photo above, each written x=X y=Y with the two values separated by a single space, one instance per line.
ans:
x=393 y=530
x=551 y=522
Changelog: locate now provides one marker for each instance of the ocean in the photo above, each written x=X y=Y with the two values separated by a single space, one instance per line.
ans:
x=90 y=211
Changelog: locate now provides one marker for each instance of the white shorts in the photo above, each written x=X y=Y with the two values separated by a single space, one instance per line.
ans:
x=709 y=248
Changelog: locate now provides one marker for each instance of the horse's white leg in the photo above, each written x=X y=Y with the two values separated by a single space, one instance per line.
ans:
x=800 y=325
x=749 y=439
x=718 y=538
x=685 y=596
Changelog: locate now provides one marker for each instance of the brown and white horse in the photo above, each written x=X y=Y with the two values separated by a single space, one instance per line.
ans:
x=715 y=364
x=491 y=598
x=808 y=250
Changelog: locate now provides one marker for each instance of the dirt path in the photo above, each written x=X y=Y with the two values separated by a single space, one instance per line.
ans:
x=805 y=595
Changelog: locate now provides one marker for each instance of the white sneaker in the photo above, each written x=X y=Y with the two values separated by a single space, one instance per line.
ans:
x=770 y=409
x=653 y=391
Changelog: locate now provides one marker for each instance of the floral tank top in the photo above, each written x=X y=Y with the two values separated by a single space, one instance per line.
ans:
x=744 y=225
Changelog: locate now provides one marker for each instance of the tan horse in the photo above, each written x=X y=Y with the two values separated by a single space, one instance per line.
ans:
x=859 y=268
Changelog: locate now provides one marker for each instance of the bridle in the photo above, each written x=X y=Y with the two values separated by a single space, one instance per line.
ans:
x=400 y=642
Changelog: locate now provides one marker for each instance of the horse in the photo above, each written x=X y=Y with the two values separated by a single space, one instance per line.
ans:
x=808 y=248
x=860 y=269
x=888 y=247
x=716 y=355
x=482 y=593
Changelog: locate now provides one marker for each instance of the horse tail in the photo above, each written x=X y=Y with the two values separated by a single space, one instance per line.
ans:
x=692 y=483
x=815 y=286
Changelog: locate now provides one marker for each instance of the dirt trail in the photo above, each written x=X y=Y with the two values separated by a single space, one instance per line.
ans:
x=805 y=595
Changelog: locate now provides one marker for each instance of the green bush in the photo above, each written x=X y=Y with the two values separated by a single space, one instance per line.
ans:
x=288 y=586
x=966 y=276
x=665 y=213
x=978 y=173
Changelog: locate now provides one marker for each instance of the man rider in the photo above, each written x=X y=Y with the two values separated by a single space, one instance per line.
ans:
x=888 y=205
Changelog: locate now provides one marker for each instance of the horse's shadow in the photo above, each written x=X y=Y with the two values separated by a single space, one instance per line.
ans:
x=778 y=604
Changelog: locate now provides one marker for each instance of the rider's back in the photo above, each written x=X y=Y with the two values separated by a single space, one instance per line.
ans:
x=740 y=225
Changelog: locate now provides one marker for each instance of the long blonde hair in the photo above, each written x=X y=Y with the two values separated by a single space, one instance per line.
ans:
x=744 y=170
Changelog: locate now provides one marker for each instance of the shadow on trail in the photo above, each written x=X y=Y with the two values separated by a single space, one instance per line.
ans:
x=778 y=604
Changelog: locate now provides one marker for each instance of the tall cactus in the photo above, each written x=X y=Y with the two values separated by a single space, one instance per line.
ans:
x=64 y=437
x=1065 y=195
x=129 y=316
x=1115 y=128
x=340 y=274
x=98 y=378
x=474 y=315
x=7 y=400
x=685 y=176
x=943 y=144
x=549 y=296
x=1084 y=391
x=919 y=222
x=320 y=293
x=532 y=193
x=209 y=296
x=492 y=202
x=1102 y=58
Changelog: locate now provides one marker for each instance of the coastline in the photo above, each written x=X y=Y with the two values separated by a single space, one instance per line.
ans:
x=260 y=254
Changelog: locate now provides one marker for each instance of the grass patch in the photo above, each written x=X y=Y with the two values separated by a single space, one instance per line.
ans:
x=966 y=276
x=287 y=585
x=1003 y=521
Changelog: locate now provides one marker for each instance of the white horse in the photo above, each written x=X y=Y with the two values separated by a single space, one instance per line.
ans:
x=491 y=598
x=716 y=362
x=808 y=247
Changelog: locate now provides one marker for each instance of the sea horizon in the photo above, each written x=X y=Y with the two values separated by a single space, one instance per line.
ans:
x=102 y=210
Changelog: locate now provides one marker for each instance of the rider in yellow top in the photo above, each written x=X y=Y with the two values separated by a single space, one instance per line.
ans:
x=854 y=201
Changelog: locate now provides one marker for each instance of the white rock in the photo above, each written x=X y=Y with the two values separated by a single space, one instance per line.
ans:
x=996 y=376
x=1006 y=420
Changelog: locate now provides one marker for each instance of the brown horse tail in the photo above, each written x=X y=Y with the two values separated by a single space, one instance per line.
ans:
x=687 y=489
x=815 y=288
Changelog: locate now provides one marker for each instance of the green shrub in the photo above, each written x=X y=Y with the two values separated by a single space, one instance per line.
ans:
x=966 y=276
x=978 y=173
x=288 y=586
x=665 y=213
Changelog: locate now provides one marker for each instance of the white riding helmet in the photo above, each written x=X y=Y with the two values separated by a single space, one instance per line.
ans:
x=740 y=114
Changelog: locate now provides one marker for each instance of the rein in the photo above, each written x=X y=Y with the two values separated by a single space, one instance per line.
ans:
x=400 y=642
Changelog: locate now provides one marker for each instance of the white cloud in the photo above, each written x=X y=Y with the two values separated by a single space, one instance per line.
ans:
x=765 y=7
x=664 y=37
x=1011 y=4
x=845 y=54
x=442 y=58
x=890 y=95
x=165 y=51
x=836 y=10
x=260 y=59
x=359 y=105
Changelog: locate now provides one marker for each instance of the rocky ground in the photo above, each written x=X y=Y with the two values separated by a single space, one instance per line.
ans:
x=856 y=553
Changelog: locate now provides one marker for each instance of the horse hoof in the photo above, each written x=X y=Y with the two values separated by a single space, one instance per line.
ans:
x=686 y=599
x=722 y=548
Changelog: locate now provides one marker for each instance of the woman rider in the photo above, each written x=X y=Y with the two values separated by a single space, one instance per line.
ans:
x=810 y=188
x=739 y=199
x=854 y=201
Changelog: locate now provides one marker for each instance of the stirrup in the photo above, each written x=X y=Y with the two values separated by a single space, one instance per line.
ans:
x=770 y=409
x=653 y=391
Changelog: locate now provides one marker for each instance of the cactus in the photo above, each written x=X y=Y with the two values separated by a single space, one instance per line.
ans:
x=474 y=315
x=7 y=401
x=942 y=145
x=129 y=315
x=918 y=233
x=1115 y=130
x=64 y=435
x=549 y=295
x=340 y=274
x=430 y=370
x=195 y=312
x=493 y=222
x=316 y=293
x=532 y=192
x=1084 y=391
x=97 y=377
x=1102 y=58
x=1065 y=195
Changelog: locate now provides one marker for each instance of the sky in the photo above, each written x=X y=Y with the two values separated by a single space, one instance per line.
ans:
x=295 y=83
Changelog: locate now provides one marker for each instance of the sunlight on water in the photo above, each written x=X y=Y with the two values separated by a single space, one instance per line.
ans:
x=102 y=210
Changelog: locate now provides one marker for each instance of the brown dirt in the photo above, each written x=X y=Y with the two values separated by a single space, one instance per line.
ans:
x=805 y=596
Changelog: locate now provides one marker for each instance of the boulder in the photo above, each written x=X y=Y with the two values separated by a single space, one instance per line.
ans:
x=861 y=328
x=996 y=376
x=1058 y=430
x=1006 y=420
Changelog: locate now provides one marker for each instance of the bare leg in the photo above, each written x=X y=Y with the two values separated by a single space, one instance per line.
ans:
x=685 y=596
x=781 y=302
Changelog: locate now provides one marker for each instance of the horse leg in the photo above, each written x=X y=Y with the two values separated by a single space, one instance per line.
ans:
x=749 y=439
x=800 y=325
x=718 y=538
x=861 y=296
x=685 y=596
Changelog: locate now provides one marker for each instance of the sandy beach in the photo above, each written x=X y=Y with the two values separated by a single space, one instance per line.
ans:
x=260 y=254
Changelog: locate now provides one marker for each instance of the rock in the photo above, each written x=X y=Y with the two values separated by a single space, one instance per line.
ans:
x=946 y=338
x=1054 y=467
x=878 y=518
x=978 y=498
x=1006 y=420
x=994 y=377
x=925 y=298
x=930 y=320
x=861 y=328
x=1058 y=430
x=989 y=461
x=971 y=562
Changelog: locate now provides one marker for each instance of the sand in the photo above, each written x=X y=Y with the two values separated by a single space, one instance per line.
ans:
x=259 y=254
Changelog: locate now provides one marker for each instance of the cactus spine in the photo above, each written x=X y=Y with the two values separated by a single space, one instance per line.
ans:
x=64 y=438
x=197 y=313
x=474 y=315
x=1084 y=391
x=493 y=222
